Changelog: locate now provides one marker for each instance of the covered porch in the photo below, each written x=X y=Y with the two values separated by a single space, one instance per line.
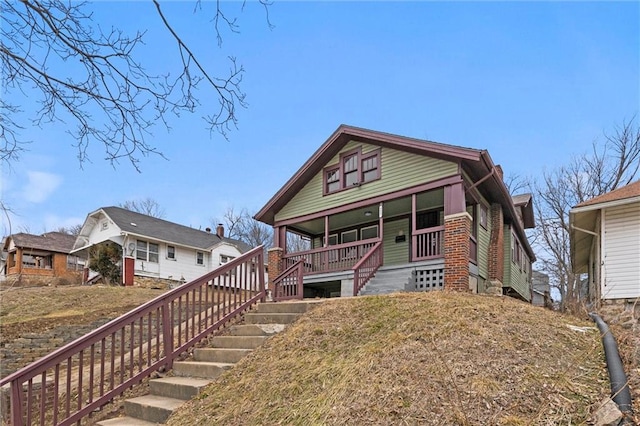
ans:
x=403 y=229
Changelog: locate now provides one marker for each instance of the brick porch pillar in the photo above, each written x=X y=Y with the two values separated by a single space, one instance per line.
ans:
x=457 y=232
x=274 y=264
x=496 y=250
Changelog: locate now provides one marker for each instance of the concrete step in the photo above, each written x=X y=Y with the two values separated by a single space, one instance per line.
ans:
x=177 y=387
x=237 y=342
x=296 y=307
x=275 y=318
x=152 y=408
x=256 y=329
x=125 y=421
x=205 y=370
x=226 y=355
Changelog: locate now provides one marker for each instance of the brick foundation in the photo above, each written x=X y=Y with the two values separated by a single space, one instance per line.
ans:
x=457 y=231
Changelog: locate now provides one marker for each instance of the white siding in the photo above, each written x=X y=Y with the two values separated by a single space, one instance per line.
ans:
x=621 y=252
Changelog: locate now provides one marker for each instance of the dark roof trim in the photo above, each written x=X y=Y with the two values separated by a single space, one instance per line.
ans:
x=341 y=137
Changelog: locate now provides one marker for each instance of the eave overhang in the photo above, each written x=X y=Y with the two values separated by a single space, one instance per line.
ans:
x=584 y=223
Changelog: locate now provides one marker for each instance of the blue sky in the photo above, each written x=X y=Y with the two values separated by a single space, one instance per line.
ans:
x=532 y=82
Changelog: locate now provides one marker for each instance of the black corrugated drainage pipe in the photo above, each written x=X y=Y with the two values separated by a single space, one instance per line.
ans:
x=619 y=386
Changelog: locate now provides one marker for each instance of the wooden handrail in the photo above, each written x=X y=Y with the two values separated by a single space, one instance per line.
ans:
x=369 y=264
x=75 y=380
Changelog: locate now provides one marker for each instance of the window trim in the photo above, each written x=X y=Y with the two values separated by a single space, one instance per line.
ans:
x=340 y=169
x=350 y=231
x=201 y=253
x=369 y=227
x=169 y=247
x=363 y=157
x=325 y=183
x=483 y=218
x=147 y=251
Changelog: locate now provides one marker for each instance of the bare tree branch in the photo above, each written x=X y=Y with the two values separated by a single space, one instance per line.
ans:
x=608 y=166
x=88 y=79
x=147 y=206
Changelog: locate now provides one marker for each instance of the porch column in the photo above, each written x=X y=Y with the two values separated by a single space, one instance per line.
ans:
x=457 y=231
x=274 y=263
x=496 y=250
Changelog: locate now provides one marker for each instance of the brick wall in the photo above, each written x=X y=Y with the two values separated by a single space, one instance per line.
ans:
x=274 y=264
x=496 y=244
x=457 y=231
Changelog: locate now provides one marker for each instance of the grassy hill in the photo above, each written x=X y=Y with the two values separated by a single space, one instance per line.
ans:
x=415 y=358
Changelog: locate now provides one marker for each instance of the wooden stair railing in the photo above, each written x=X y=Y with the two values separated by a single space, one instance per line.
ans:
x=289 y=284
x=367 y=267
x=70 y=383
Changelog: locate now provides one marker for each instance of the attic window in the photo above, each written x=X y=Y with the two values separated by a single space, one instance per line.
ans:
x=353 y=169
x=104 y=225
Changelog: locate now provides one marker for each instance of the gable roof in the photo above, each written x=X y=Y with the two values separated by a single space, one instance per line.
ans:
x=629 y=191
x=152 y=227
x=338 y=140
x=58 y=242
x=475 y=162
x=525 y=203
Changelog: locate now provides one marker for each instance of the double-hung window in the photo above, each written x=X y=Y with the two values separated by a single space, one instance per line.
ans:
x=332 y=179
x=370 y=167
x=199 y=258
x=350 y=170
x=147 y=251
x=171 y=252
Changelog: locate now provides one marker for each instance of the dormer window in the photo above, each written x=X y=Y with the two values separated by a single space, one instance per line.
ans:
x=354 y=169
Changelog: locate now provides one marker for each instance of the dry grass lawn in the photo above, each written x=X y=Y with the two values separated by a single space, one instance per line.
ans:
x=36 y=309
x=415 y=358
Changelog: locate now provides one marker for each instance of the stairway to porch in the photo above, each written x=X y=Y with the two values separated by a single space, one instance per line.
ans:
x=390 y=280
x=189 y=377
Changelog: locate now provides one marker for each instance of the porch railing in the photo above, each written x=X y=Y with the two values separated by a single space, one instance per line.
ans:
x=367 y=267
x=289 y=284
x=428 y=243
x=79 y=378
x=336 y=258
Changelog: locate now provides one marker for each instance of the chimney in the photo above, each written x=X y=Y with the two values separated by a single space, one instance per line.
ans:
x=208 y=229
x=220 y=230
x=499 y=171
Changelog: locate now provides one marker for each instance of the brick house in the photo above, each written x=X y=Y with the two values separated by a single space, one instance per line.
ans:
x=41 y=259
x=415 y=214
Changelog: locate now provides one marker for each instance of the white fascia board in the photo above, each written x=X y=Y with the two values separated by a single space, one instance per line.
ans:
x=599 y=206
x=149 y=237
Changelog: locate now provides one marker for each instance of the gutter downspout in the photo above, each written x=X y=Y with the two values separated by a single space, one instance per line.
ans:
x=620 y=393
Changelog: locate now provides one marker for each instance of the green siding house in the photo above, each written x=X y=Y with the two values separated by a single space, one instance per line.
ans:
x=385 y=213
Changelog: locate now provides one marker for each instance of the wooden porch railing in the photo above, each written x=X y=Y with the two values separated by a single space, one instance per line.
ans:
x=336 y=258
x=288 y=285
x=367 y=267
x=77 y=379
x=428 y=243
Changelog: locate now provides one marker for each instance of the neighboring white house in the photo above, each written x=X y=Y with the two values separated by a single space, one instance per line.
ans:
x=605 y=243
x=156 y=248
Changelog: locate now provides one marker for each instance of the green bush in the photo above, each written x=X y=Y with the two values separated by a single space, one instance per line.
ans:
x=106 y=259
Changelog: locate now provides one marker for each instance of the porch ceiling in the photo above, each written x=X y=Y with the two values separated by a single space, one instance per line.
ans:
x=355 y=217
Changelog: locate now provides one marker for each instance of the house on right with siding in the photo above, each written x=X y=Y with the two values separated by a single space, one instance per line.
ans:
x=605 y=243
